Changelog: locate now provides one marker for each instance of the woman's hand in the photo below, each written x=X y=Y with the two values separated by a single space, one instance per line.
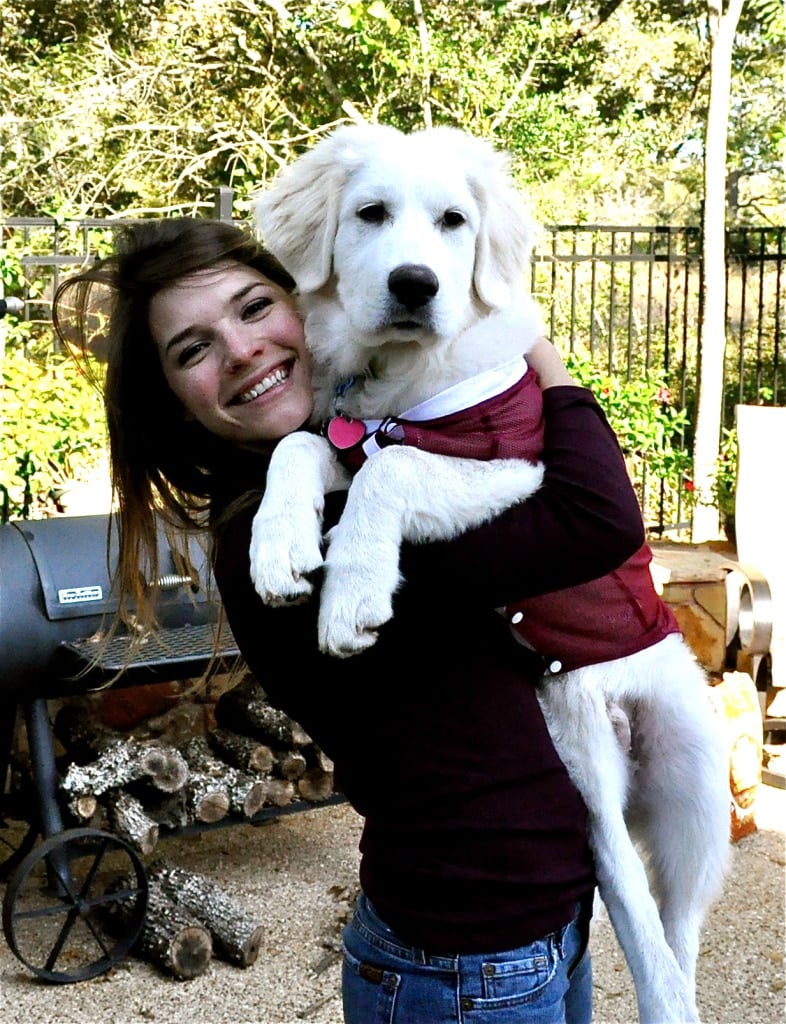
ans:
x=548 y=365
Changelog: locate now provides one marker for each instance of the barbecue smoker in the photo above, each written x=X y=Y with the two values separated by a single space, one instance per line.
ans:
x=54 y=596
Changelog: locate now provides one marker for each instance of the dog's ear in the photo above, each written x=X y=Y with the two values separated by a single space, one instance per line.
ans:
x=504 y=247
x=507 y=231
x=297 y=216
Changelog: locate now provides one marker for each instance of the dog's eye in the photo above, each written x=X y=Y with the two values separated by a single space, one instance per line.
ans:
x=453 y=219
x=374 y=213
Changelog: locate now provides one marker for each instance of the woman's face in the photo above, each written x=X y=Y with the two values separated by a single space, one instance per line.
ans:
x=232 y=350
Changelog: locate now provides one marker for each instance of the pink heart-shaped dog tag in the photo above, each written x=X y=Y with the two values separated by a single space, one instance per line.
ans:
x=343 y=432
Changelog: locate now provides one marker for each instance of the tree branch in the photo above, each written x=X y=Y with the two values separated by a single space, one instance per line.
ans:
x=280 y=9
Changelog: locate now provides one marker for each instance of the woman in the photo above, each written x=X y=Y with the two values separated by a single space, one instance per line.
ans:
x=476 y=875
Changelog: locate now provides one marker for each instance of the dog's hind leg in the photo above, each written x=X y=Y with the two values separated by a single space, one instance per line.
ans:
x=680 y=807
x=584 y=735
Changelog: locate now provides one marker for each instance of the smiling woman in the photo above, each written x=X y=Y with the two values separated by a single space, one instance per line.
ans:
x=232 y=350
x=199 y=316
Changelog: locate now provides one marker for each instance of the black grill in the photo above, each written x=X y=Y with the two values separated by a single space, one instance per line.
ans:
x=56 y=594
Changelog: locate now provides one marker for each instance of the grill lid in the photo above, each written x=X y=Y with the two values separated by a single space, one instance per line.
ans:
x=70 y=556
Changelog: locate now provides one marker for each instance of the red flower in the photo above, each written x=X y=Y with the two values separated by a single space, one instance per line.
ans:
x=689 y=485
x=664 y=395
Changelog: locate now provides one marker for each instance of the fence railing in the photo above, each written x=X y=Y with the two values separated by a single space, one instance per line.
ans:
x=630 y=297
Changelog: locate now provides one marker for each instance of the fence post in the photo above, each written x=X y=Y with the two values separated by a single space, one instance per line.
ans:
x=222 y=203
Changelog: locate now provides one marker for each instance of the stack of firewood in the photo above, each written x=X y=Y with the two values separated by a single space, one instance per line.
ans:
x=255 y=757
x=189 y=920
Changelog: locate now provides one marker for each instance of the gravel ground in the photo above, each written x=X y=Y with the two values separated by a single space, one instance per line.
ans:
x=297 y=875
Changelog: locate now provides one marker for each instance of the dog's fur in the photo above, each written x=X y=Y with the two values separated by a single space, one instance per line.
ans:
x=440 y=206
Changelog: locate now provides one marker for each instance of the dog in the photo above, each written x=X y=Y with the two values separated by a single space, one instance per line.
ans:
x=410 y=253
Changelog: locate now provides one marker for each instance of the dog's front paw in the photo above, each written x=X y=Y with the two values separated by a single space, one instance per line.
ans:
x=355 y=602
x=285 y=550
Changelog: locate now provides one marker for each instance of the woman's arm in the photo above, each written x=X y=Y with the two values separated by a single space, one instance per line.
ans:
x=547 y=363
x=583 y=522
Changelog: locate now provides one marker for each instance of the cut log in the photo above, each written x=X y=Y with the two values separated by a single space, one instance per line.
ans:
x=207 y=799
x=172 y=939
x=166 y=767
x=83 y=737
x=280 y=792
x=83 y=807
x=128 y=818
x=317 y=782
x=237 y=937
x=315 y=785
x=246 y=792
x=290 y=764
x=242 y=752
x=124 y=761
x=240 y=710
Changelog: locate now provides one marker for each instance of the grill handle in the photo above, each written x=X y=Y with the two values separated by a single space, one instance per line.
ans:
x=171 y=581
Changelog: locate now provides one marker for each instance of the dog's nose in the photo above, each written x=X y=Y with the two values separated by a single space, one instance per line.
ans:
x=413 y=284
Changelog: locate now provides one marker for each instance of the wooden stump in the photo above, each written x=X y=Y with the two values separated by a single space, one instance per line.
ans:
x=242 y=752
x=172 y=939
x=246 y=711
x=130 y=821
x=236 y=936
x=124 y=761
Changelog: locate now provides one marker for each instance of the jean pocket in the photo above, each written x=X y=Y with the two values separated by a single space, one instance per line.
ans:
x=517 y=979
x=369 y=992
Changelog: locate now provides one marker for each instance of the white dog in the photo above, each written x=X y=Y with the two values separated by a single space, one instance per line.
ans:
x=410 y=254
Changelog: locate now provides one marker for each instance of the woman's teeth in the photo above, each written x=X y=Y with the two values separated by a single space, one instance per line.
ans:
x=276 y=377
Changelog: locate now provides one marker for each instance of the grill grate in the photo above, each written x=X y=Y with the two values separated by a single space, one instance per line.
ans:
x=181 y=651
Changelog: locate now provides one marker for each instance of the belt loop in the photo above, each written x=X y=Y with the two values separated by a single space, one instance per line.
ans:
x=559 y=940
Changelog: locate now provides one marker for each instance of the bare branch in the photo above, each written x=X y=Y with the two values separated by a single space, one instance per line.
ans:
x=425 y=80
x=286 y=20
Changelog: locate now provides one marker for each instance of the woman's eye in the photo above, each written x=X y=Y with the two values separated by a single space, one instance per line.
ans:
x=257 y=306
x=189 y=353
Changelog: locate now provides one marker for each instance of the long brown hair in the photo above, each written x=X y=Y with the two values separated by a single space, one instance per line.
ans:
x=162 y=466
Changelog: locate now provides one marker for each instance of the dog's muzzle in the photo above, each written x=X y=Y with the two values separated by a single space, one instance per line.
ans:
x=413 y=284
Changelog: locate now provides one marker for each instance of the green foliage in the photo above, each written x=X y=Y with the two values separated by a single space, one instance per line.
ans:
x=53 y=432
x=150 y=104
x=725 y=481
x=651 y=431
x=145 y=106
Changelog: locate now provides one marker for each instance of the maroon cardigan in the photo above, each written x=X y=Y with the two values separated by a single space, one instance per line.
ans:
x=474 y=837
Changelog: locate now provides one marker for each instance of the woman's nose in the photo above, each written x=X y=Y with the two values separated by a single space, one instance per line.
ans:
x=241 y=345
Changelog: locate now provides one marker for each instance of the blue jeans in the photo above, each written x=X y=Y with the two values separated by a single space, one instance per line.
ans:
x=386 y=981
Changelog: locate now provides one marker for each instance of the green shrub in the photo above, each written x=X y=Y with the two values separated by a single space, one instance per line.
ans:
x=652 y=435
x=53 y=431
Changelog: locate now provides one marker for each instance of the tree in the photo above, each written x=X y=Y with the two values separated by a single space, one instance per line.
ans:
x=722 y=28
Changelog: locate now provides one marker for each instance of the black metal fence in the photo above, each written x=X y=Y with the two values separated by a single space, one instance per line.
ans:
x=627 y=297
x=633 y=297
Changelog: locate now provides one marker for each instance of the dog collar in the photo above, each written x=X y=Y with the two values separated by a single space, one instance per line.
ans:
x=349 y=382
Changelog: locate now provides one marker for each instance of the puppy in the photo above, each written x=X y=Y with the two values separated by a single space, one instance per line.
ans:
x=410 y=253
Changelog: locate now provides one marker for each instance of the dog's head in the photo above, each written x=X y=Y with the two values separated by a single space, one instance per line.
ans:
x=415 y=235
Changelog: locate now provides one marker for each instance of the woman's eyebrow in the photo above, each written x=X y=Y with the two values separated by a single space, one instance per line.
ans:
x=191 y=329
x=180 y=336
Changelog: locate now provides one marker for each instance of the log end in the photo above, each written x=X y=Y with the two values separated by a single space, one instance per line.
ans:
x=250 y=951
x=190 y=952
